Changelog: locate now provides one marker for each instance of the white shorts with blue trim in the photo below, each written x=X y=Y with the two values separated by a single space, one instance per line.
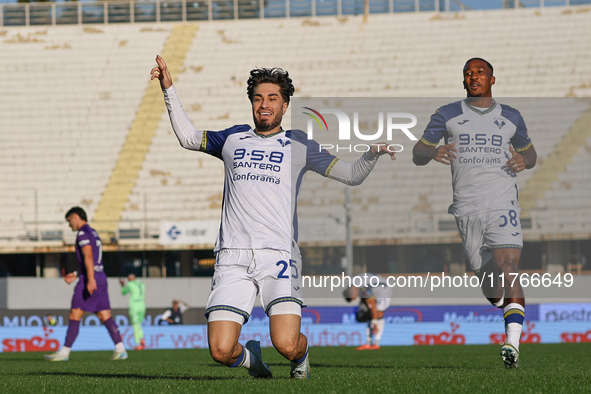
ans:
x=242 y=274
x=483 y=232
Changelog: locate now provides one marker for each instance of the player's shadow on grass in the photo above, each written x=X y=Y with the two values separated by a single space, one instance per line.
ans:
x=133 y=376
x=41 y=360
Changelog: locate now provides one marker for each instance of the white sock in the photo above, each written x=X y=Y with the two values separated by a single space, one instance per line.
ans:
x=513 y=331
x=500 y=303
x=247 y=356
x=65 y=351
x=119 y=348
x=303 y=359
x=381 y=323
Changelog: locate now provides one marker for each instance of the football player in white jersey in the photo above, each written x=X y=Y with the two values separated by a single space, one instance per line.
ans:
x=255 y=250
x=374 y=294
x=486 y=144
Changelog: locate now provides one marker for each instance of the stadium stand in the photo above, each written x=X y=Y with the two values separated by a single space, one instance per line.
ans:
x=74 y=92
x=82 y=88
x=139 y=138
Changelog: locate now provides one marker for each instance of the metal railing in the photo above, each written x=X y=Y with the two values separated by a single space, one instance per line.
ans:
x=107 y=12
x=415 y=226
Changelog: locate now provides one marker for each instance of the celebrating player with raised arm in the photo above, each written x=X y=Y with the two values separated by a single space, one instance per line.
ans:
x=486 y=144
x=255 y=250
x=90 y=293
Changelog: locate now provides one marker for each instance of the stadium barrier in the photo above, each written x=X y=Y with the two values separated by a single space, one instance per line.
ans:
x=52 y=294
x=327 y=326
x=44 y=339
x=40 y=14
x=401 y=314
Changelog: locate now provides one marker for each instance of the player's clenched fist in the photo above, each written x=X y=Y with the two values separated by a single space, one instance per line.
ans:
x=161 y=72
x=381 y=148
x=444 y=154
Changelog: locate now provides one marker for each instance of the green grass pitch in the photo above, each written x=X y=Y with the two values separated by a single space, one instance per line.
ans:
x=428 y=369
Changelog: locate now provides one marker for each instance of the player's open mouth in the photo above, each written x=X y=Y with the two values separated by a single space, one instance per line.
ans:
x=264 y=115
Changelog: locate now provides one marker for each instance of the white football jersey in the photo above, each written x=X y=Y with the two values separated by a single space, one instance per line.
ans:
x=373 y=285
x=263 y=175
x=481 y=180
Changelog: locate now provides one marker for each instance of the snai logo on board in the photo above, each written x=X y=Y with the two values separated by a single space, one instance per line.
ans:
x=575 y=337
x=443 y=338
x=34 y=344
x=526 y=337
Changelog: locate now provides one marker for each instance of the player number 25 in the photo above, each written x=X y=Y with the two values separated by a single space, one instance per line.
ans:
x=282 y=275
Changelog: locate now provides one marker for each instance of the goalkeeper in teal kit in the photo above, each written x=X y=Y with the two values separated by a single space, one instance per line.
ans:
x=137 y=307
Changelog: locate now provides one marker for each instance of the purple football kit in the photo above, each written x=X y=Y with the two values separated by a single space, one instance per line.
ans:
x=99 y=300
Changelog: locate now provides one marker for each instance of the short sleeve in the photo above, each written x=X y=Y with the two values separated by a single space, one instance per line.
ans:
x=319 y=160
x=435 y=130
x=520 y=139
x=83 y=238
x=213 y=142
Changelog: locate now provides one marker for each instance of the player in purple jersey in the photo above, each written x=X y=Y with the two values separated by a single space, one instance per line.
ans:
x=486 y=145
x=90 y=293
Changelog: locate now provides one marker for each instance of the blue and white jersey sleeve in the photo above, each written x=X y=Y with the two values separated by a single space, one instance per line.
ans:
x=318 y=159
x=325 y=164
x=437 y=127
x=213 y=142
x=520 y=139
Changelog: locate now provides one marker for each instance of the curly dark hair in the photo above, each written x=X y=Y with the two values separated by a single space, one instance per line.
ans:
x=275 y=75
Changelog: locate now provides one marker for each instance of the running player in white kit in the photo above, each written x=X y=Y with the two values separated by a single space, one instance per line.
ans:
x=255 y=251
x=486 y=144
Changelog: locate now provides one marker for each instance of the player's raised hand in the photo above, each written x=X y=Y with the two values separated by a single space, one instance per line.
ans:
x=71 y=277
x=381 y=148
x=517 y=162
x=161 y=72
x=444 y=154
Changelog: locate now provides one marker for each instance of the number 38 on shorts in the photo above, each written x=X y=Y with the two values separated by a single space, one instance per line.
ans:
x=510 y=219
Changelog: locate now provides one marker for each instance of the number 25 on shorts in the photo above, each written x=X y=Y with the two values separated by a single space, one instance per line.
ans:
x=284 y=266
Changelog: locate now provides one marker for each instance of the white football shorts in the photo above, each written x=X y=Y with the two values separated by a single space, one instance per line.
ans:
x=242 y=274
x=483 y=232
x=382 y=304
